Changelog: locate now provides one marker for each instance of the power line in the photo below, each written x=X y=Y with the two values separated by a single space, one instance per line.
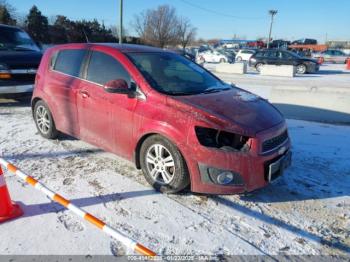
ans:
x=219 y=13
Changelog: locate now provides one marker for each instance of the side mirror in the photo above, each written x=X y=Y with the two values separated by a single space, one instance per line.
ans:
x=118 y=86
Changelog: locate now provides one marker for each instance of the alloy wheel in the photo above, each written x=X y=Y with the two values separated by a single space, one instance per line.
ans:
x=42 y=119
x=301 y=69
x=160 y=164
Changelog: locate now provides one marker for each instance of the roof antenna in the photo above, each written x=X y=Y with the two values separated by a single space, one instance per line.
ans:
x=86 y=37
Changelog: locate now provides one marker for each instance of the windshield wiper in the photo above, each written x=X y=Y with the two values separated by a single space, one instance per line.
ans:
x=181 y=93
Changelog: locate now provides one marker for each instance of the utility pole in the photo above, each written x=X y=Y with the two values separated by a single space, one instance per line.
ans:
x=121 y=22
x=272 y=13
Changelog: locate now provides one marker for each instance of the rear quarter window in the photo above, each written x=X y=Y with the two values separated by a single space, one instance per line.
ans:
x=69 y=61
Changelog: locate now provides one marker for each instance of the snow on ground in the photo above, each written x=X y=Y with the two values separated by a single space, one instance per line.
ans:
x=307 y=211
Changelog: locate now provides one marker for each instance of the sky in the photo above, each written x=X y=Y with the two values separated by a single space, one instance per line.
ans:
x=223 y=19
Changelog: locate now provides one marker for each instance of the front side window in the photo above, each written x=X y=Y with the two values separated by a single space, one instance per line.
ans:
x=104 y=68
x=69 y=61
x=174 y=75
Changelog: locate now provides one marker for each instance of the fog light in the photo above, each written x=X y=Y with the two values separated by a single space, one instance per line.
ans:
x=224 y=178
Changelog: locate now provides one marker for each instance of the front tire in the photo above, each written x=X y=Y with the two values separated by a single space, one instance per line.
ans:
x=258 y=67
x=44 y=120
x=239 y=59
x=163 y=165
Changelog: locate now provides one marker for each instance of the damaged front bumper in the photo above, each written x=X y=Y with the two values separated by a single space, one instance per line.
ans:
x=217 y=171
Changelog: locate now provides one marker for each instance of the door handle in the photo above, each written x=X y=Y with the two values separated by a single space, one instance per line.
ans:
x=84 y=94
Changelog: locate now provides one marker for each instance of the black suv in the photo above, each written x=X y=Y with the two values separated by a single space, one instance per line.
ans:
x=19 y=60
x=283 y=57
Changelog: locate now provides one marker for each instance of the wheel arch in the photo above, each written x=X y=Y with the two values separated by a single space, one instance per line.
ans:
x=137 y=157
x=33 y=103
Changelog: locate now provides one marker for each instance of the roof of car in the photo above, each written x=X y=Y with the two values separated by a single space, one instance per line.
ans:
x=130 y=48
x=125 y=48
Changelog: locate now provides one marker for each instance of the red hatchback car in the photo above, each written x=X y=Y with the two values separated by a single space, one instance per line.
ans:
x=175 y=120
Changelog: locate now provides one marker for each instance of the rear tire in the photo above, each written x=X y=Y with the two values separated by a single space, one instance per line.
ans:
x=222 y=60
x=301 y=69
x=44 y=120
x=163 y=165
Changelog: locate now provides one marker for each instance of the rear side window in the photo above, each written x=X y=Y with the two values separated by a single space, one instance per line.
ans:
x=104 y=68
x=70 y=61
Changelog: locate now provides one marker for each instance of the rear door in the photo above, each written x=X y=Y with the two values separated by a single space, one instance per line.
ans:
x=105 y=118
x=62 y=86
x=271 y=57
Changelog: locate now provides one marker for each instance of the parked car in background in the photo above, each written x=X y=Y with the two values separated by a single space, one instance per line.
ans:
x=19 y=60
x=283 y=57
x=332 y=56
x=244 y=55
x=213 y=56
x=279 y=43
x=256 y=44
x=230 y=55
x=174 y=119
x=305 y=41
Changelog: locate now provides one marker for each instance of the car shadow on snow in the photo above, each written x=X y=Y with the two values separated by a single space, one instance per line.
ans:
x=53 y=207
x=23 y=102
x=309 y=113
x=332 y=72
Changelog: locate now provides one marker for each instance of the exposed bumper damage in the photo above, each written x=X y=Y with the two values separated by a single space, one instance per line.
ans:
x=242 y=169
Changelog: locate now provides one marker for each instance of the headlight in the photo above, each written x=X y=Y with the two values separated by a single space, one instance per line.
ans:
x=3 y=66
x=210 y=137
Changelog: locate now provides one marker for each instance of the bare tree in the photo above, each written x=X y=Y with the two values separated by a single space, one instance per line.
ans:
x=7 y=13
x=186 y=32
x=115 y=31
x=158 y=26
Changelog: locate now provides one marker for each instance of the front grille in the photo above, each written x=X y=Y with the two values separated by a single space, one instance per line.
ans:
x=23 y=77
x=274 y=142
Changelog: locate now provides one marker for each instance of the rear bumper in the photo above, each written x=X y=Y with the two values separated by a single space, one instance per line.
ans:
x=16 y=89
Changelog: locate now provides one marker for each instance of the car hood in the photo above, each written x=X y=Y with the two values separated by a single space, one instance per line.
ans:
x=234 y=109
x=20 y=59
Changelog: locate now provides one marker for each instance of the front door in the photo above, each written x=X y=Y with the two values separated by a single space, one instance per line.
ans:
x=105 y=119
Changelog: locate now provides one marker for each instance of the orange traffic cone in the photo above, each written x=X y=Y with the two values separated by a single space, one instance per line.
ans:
x=348 y=64
x=8 y=209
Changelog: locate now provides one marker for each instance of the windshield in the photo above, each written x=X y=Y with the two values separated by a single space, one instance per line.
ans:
x=174 y=75
x=16 y=40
